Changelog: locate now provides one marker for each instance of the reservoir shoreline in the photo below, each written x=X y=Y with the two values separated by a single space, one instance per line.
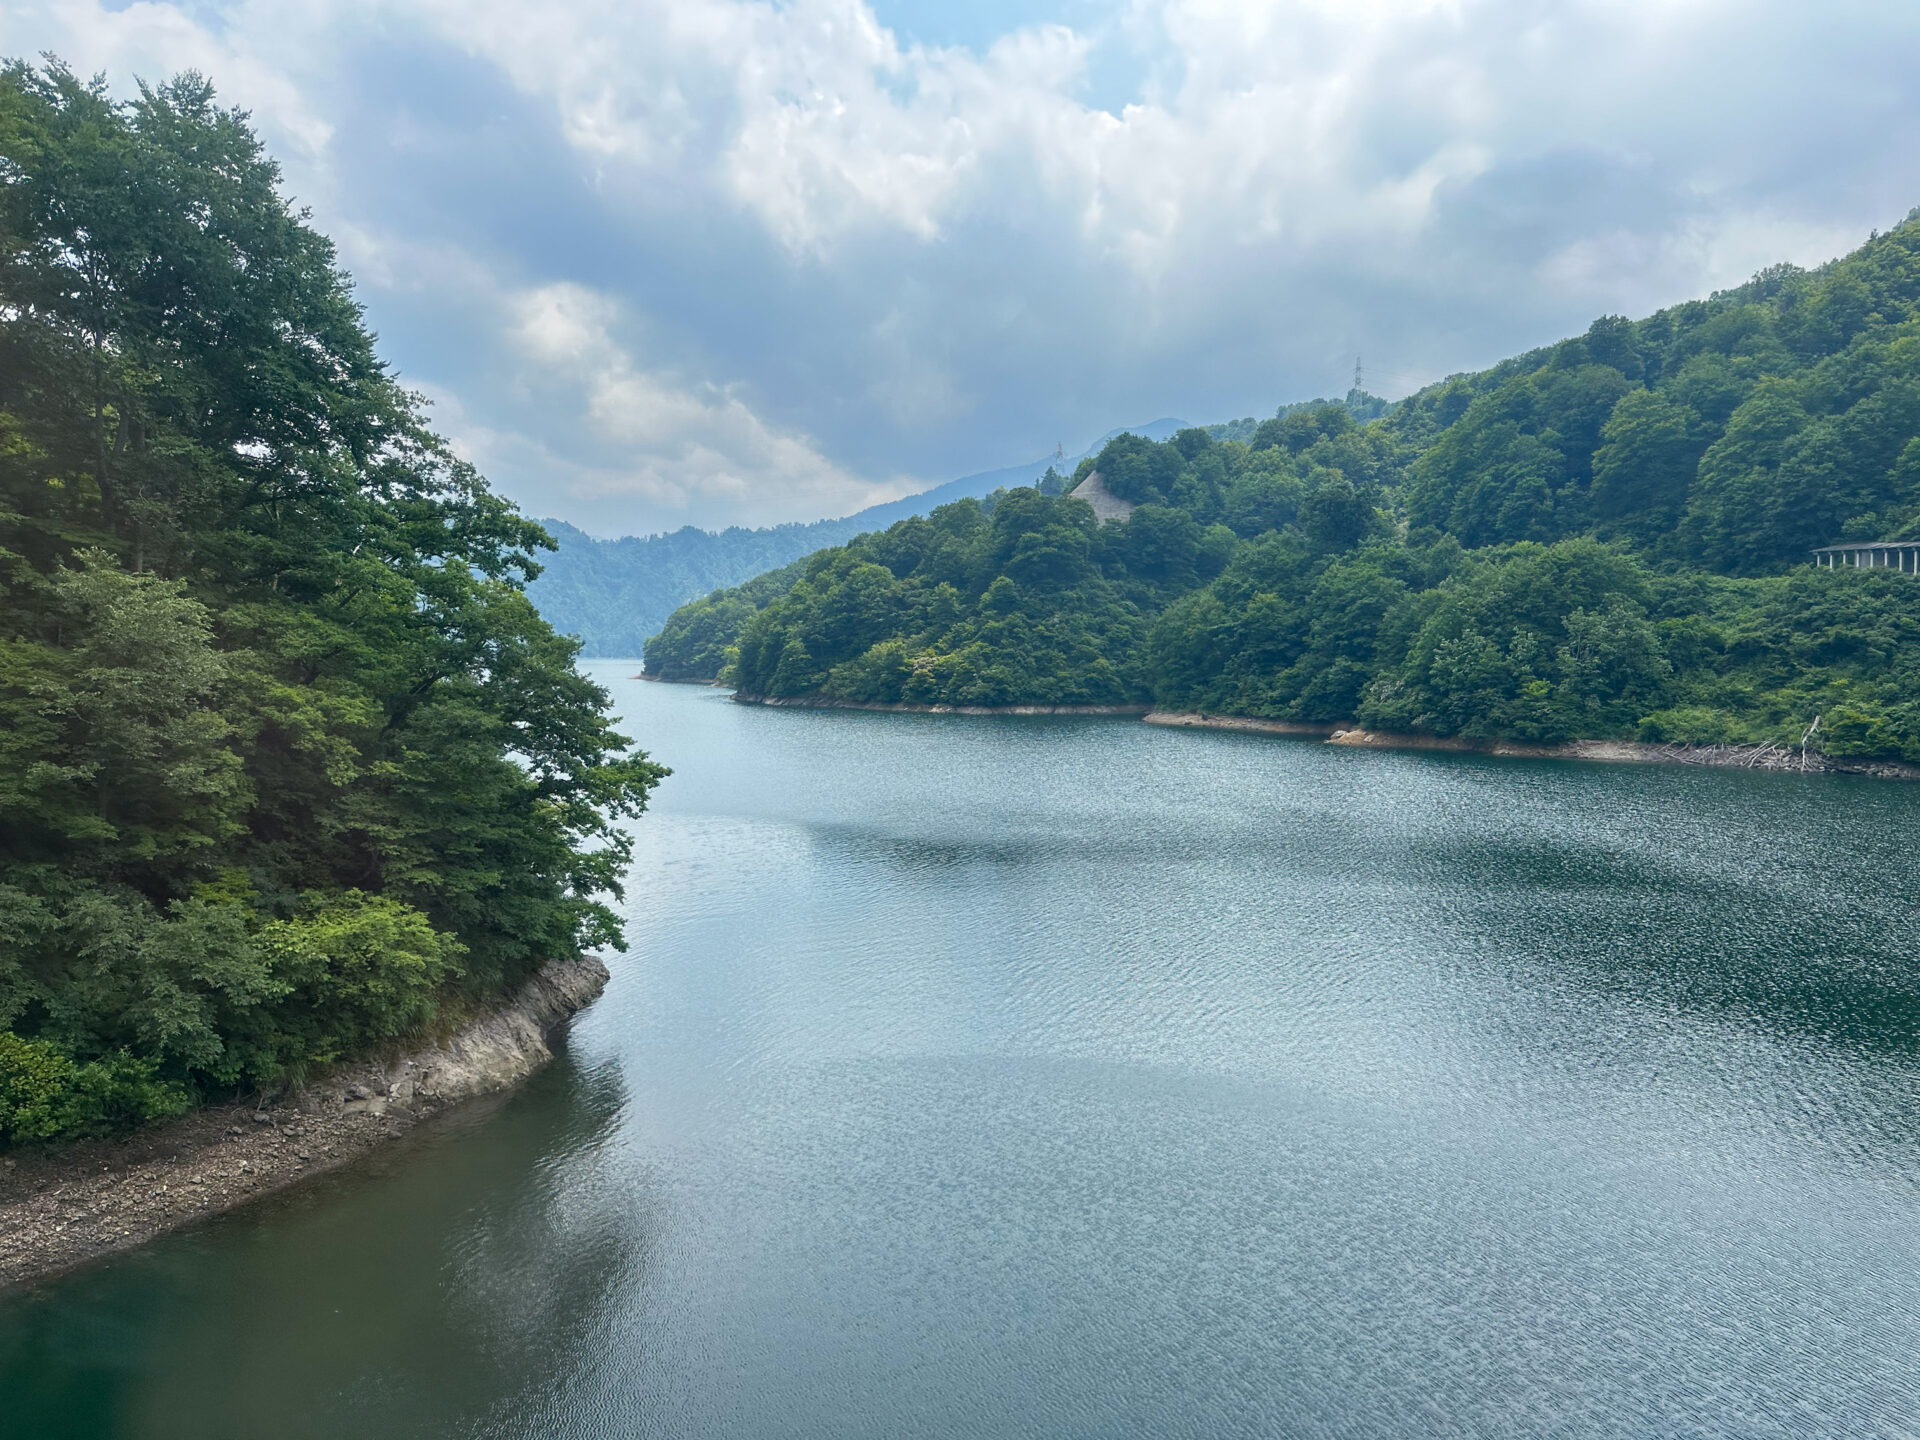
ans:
x=1775 y=758
x=1619 y=752
x=808 y=702
x=66 y=1207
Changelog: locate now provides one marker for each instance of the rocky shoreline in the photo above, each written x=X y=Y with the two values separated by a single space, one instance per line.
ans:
x=1630 y=752
x=1195 y=720
x=62 y=1208
x=807 y=702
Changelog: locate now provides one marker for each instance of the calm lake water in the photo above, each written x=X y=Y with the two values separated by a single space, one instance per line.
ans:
x=984 y=1077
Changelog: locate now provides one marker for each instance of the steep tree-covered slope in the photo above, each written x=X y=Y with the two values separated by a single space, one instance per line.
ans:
x=1606 y=537
x=287 y=760
x=694 y=644
x=614 y=594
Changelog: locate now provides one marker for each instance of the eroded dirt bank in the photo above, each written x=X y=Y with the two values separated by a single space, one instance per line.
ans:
x=62 y=1208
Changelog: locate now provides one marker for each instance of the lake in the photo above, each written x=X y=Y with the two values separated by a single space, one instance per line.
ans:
x=1045 y=1076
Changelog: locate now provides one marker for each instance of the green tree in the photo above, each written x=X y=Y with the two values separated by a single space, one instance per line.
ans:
x=265 y=659
x=1650 y=447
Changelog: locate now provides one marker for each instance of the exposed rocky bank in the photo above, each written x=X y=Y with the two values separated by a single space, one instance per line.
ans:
x=1735 y=757
x=1195 y=720
x=62 y=1208
x=811 y=702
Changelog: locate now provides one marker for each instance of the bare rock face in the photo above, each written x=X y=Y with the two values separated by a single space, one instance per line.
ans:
x=65 y=1207
x=1106 y=504
x=505 y=1047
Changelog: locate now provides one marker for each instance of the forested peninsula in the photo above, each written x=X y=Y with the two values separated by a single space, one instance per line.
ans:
x=290 y=768
x=1610 y=537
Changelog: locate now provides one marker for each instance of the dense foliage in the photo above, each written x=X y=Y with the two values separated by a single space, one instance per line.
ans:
x=1032 y=600
x=614 y=594
x=287 y=760
x=695 y=643
x=1608 y=537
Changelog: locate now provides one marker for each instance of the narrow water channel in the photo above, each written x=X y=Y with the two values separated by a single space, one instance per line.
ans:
x=986 y=1077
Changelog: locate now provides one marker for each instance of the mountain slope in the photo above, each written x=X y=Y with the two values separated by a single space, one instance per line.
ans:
x=614 y=594
x=1606 y=537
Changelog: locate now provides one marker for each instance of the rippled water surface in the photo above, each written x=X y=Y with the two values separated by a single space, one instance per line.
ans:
x=1054 y=1077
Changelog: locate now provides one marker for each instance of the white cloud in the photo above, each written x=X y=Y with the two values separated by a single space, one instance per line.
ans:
x=793 y=250
x=254 y=60
x=658 y=437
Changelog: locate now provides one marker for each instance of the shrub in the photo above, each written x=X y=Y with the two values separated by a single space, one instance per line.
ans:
x=44 y=1095
x=362 y=969
x=35 y=1079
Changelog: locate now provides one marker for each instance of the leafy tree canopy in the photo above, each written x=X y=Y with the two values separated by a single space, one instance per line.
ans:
x=287 y=759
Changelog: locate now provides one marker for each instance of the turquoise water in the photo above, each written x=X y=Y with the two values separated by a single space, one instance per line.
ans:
x=1051 y=1077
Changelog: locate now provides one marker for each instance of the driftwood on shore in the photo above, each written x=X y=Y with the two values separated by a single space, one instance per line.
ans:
x=1757 y=756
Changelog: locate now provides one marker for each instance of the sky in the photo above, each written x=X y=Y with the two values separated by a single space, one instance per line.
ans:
x=714 y=262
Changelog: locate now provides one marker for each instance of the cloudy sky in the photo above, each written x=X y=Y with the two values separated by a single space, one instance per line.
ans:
x=661 y=262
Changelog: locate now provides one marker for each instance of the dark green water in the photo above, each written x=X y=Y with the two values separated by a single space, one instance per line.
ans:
x=1044 y=1077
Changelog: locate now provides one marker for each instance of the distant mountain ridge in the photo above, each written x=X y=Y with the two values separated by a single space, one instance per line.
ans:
x=615 y=594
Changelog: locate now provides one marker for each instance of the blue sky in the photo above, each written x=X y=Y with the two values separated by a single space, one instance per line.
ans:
x=660 y=262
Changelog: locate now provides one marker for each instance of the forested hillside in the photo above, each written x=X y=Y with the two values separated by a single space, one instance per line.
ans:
x=614 y=594
x=1607 y=537
x=288 y=763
